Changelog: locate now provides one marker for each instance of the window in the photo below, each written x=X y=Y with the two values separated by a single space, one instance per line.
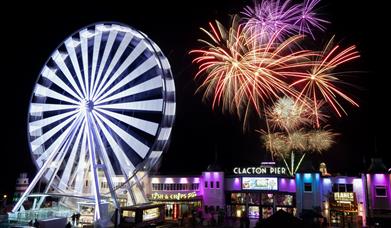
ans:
x=155 y=187
x=217 y=184
x=206 y=184
x=211 y=184
x=194 y=186
x=335 y=188
x=307 y=187
x=349 y=187
x=380 y=191
x=342 y=188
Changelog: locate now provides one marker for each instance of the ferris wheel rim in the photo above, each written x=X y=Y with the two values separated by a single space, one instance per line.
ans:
x=164 y=77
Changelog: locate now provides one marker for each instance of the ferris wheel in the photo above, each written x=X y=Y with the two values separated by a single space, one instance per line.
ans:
x=102 y=109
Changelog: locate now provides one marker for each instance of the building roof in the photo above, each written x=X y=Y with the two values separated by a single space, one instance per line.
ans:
x=377 y=166
x=307 y=167
x=214 y=167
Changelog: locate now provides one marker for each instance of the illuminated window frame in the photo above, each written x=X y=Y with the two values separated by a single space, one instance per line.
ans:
x=307 y=184
x=382 y=187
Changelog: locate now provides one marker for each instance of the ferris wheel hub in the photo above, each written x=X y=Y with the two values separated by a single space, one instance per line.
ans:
x=87 y=105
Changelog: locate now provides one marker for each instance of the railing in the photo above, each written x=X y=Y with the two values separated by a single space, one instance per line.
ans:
x=40 y=214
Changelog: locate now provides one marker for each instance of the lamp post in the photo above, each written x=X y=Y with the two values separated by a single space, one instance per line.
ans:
x=4 y=200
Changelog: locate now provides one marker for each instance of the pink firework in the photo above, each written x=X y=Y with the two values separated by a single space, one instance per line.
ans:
x=269 y=16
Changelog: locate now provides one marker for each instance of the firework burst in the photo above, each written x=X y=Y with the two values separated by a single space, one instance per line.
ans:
x=321 y=81
x=287 y=114
x=242 y=73
x=279 y=143
x=320 y=140
x=267 y=17
x=276 y=144
x=298 y=140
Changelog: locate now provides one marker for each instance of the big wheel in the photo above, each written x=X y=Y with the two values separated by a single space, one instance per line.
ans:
x=102 y=109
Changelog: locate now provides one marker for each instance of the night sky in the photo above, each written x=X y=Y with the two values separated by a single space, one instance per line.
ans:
x=30 y=34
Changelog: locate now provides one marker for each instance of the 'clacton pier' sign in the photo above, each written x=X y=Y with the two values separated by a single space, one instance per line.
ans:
x=260 y=170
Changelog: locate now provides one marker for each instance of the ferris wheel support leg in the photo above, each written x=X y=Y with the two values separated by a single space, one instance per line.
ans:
x=35 y=203
x=132 y=197
x=94 y=168
x=138 y=184
x=61 y=158
x=129 y=187
x=37 y=177
x=40 y=173
x=107 y=175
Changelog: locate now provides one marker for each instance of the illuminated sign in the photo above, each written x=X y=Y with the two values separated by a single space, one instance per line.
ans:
x=344 y=197
x=174 y=196
x=260 y=170
x=259 y=183
x=150 y=214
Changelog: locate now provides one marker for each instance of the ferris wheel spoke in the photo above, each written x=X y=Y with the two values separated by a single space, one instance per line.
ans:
x=151 y=84
x=102 y=150
x=62 y=152
x=141 y=69
x=136 y=52
x=120 y=50
x=81 y=164
x=155 y=105
x=109 y=45
x=41 y=107
x=39 y=124
x=47 y=135
x=123 y=160
x=59 y=60
x=64 y=181
x=42 y=91
x=54 y=145
x=51 y=75
x=95 y=56
x=70 y=45
x=144 y=125
x=140 y=148
x=84 y=36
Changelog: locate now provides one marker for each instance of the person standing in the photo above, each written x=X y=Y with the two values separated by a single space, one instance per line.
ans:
x=73 y=219
x=77 y=218
x=36 y=223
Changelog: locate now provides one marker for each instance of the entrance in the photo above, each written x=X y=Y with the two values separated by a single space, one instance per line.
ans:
x=175 y=210
x=343 y=219
x=259 y=204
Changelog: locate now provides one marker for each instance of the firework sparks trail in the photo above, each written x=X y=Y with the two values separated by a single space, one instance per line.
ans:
x=282 y=144
x=241 y=72
x=287 y=114
x=320 y=82
x=320 y=140
x=269 y=16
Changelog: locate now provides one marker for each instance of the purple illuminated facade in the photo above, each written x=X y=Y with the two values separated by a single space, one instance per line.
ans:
x=343 y=200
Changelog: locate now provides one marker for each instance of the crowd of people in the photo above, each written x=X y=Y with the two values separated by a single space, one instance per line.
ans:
x=198 y=217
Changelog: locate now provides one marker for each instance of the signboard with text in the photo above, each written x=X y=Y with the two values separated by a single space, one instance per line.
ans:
x=261 y=170
x=343 y=201
x=173 y=196
x=259 y=183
